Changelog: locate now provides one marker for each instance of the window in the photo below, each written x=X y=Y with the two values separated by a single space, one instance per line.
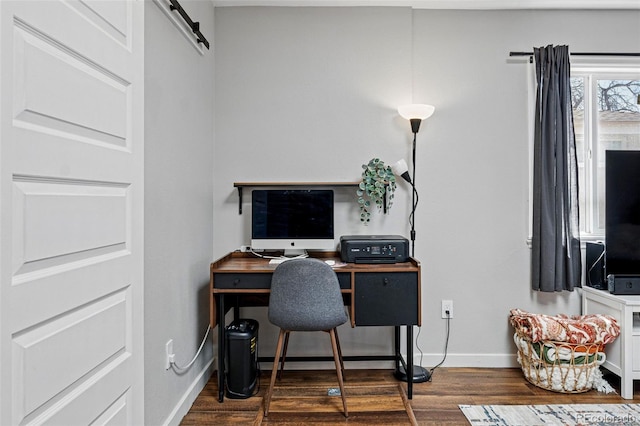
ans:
x=606 y=113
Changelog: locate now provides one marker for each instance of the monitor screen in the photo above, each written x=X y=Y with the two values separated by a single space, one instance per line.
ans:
x=622 y=218
x=292 y=220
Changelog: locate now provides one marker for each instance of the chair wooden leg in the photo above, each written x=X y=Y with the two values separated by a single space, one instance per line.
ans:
x=284 y=354
x=274 y=372
x=336 y=358
x=340 y=355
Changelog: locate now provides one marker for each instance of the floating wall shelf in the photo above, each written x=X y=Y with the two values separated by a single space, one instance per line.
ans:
x=241 y=185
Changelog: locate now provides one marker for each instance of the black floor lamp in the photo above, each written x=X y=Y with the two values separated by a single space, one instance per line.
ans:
x=415 y=113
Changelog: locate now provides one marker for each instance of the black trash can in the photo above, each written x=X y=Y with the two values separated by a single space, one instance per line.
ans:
x=241 y=358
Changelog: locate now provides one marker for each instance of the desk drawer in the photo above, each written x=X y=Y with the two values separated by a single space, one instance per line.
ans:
x=386 y=298
x=240 y=281
x=262 y=280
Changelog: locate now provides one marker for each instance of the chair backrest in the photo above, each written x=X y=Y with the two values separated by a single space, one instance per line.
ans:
x=305 y=296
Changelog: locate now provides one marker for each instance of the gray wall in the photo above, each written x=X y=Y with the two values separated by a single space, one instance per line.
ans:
x=311 y=94
x=178 y=208
x=476 y=161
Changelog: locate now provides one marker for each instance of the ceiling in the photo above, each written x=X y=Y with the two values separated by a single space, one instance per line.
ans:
x=447 y=4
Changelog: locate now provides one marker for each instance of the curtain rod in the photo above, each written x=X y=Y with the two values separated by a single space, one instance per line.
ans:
x=583 y=53
x=195 y=26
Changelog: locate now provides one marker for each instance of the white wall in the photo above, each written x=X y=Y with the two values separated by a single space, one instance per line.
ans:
x=310 y=94
x=178 y=208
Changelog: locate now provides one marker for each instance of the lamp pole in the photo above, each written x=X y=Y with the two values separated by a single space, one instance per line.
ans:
x=415 y=127
x=413 y=199
x=415 y=113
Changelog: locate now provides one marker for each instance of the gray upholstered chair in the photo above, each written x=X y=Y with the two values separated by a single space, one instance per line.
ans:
x=305 y=296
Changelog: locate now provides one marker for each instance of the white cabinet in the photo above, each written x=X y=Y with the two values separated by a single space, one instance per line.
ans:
x=623 y=355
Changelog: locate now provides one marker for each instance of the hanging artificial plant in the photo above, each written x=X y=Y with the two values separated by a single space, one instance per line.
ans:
x=377 y=186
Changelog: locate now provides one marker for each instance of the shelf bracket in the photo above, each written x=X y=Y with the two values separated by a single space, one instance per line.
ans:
x=239 y=200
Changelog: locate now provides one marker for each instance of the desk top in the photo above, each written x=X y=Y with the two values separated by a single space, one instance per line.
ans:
x=239 y=262
x=625 y=299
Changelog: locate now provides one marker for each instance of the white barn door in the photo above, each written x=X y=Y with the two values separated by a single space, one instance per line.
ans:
x=71 y=212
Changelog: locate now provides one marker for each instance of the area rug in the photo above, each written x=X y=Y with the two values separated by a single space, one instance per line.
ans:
x=564 y=415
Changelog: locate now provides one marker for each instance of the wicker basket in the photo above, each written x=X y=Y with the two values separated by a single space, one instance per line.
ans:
x=559 y=366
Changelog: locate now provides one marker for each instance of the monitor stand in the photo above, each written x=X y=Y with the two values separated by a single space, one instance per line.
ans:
x=295 y=253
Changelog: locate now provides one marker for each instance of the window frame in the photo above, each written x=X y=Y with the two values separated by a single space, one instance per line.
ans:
x=589 y=217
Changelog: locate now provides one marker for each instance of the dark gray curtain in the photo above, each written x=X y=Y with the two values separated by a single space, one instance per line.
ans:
x=556 y=262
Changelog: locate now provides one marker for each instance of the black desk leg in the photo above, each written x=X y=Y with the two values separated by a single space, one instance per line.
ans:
x=236 y=308
x=397 y=346
x=410 y=361
x=221 y=348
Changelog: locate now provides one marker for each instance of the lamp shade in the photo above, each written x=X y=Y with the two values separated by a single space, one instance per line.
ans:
x=420 y=111
x=401 y=169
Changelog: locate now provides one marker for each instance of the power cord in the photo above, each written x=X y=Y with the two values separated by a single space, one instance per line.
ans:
x=446 y=346
x=418 y=345
x=186 y=367
x=593 y=266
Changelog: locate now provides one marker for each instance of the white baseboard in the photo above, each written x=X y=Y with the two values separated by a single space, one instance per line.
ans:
x=184 y=404
x=329 y=365
x=468 y=360
x=428 y=361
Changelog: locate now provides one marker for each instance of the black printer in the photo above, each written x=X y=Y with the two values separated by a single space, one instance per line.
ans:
x=374 y=249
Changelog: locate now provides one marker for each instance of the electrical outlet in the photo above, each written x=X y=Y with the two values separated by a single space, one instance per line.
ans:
x=168 y=354
x=447 y=306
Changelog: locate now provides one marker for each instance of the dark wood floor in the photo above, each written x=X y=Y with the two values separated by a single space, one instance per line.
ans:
x=434 y=403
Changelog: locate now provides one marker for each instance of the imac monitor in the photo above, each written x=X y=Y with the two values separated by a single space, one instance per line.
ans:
x=292 y=220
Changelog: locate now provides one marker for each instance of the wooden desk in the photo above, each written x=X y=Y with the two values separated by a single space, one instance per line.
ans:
x=375 y=294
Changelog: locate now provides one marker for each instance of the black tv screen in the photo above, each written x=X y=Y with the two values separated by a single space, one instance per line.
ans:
x=622 y=222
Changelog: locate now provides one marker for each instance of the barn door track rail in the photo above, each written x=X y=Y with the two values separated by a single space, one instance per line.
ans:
x=195 y=26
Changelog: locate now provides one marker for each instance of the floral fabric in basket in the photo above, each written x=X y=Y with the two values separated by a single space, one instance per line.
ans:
x=579 y=329
x=562 y=353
